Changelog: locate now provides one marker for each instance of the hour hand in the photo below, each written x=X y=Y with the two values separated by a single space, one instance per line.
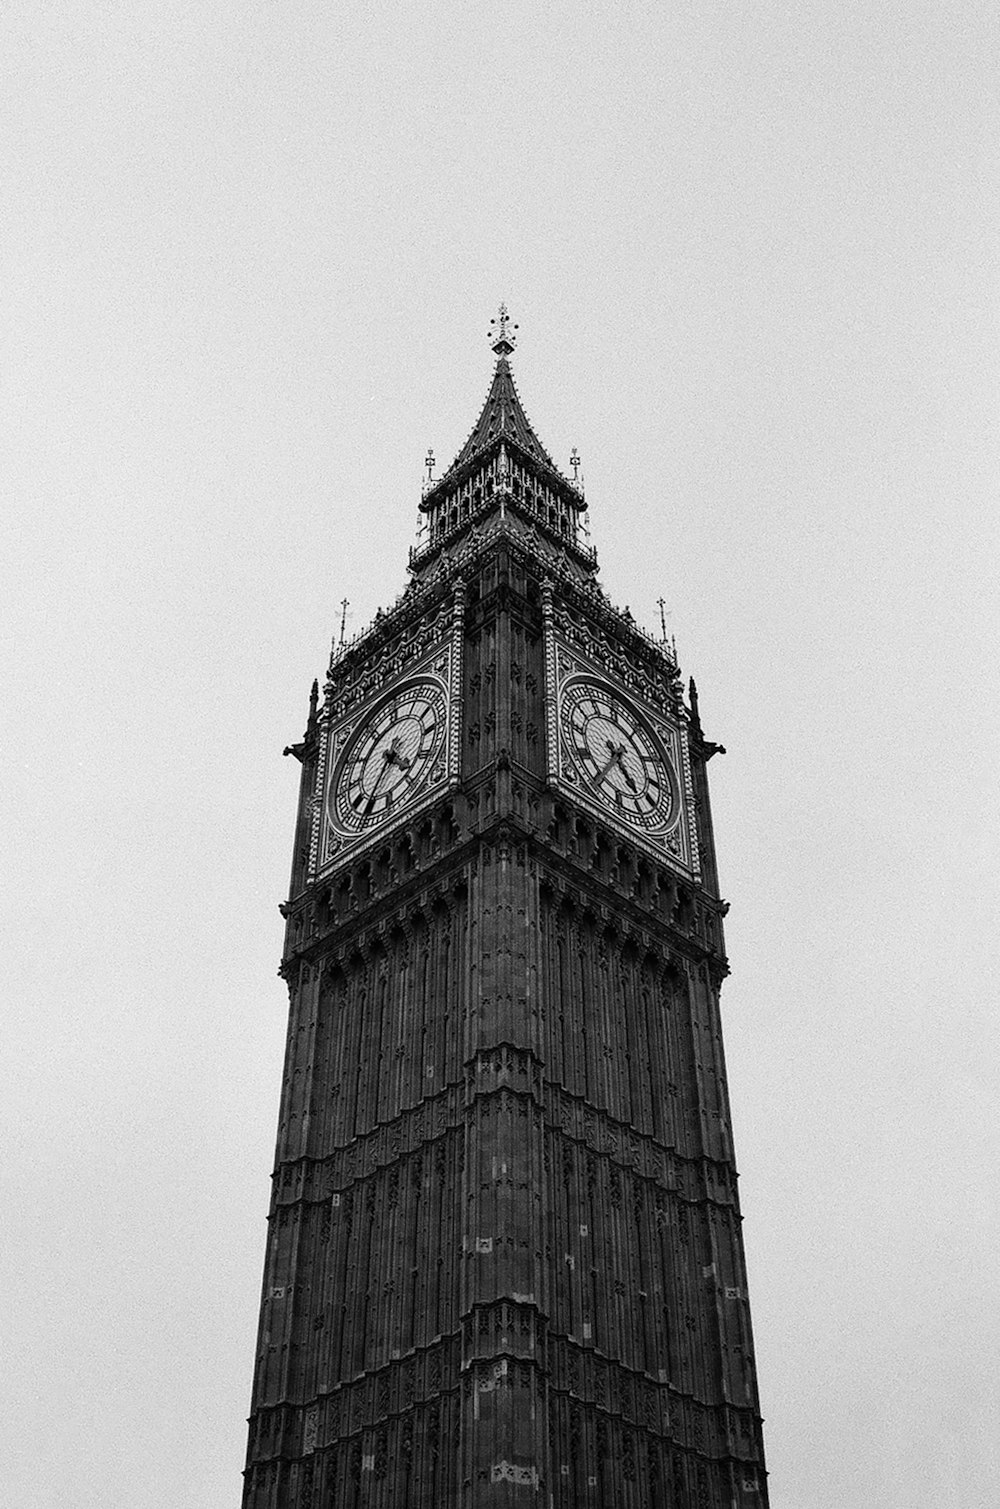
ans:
x=393 y=757
x=613 y=759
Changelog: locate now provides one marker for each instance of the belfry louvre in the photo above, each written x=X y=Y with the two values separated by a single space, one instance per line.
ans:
x=504 y=1263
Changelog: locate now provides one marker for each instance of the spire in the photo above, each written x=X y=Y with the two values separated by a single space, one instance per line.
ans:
x=693 y=700
x=503 y=470
x=503 y=415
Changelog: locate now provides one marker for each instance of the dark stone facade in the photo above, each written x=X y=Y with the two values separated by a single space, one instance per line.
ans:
x=504 y=1263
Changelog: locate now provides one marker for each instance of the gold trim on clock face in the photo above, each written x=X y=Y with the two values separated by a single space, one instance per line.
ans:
x=617 y=757
x=389 y=758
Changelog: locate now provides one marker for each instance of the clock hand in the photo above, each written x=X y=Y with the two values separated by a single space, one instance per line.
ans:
x=390 y=756
x=387 y=760
x=628 y=778
x=616 y=755
x=394 y=757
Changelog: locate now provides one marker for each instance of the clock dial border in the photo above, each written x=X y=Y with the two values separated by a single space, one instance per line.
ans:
x=674 y=842
x=619 y=759
x=343 y=721
x=391 y=754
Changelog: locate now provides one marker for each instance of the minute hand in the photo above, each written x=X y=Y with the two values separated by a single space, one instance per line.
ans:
x=386 y=762
x=621 y=767
x=389 y=757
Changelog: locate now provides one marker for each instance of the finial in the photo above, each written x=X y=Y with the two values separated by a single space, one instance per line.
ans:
x=429 y=463
x=664 y=615
x=574 y=461
x=502 y=335
x=313 y=699
x=345 y=604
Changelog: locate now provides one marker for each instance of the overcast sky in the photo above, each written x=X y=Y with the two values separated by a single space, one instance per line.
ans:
x=250 y=256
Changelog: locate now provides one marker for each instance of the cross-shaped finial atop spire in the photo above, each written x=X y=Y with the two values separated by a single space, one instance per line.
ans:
x=502 y=335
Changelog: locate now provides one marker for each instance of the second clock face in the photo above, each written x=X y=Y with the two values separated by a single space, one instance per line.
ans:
x=617 y=756
x=389 y=758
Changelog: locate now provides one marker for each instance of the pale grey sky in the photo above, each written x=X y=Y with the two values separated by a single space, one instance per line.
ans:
x=250 y=255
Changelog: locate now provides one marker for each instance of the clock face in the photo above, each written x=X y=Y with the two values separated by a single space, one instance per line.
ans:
x=389 y=758
x=617 y=757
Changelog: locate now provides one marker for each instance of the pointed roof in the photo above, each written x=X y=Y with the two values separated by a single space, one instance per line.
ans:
x=503 y=417
x=502 y=420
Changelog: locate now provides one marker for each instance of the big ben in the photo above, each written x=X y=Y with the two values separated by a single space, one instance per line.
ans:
x=504 y=1263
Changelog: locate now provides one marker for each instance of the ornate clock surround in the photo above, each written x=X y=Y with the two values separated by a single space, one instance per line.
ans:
x=434 y=678
x=580 y=662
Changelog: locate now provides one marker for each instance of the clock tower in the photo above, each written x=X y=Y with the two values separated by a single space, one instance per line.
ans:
x=504 y=1264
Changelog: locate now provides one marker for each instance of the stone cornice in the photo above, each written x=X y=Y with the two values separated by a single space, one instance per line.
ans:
x=439 y=877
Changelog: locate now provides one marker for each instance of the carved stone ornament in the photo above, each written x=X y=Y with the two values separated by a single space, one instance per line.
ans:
x=362 y=674
x=577 y=632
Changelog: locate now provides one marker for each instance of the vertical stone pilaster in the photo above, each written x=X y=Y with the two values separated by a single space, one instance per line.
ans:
x=503 y=1447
